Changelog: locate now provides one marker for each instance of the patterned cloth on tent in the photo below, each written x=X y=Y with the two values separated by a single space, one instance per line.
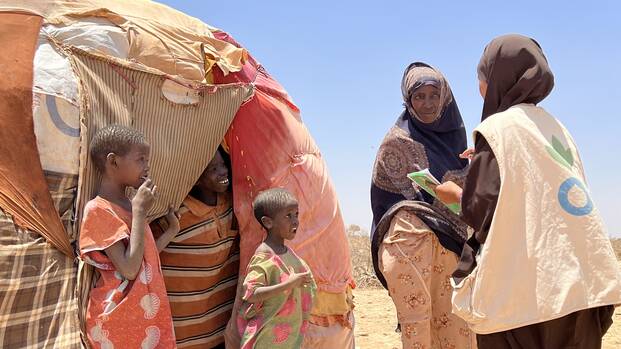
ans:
x=38 y=307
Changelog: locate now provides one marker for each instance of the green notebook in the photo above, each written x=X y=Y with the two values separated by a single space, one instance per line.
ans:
x=428 y=182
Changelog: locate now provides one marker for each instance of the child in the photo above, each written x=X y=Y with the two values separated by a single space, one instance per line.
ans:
x=278 y=288
x=201 y=263
x=128 y=307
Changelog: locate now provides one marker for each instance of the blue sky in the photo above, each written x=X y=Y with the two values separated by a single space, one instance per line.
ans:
x=342 y=62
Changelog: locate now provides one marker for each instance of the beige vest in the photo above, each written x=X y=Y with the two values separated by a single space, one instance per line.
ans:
x=547 y=253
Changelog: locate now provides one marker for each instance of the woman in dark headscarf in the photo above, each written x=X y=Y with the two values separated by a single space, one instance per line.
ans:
x=539 y=271
x=415 y=239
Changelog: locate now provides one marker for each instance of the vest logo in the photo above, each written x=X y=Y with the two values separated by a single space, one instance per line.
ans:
x=561 y=154
x=563 y=198
x=565 y=158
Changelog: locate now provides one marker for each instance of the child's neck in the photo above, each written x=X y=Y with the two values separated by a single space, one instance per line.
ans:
x=114 y=192
x=276 y=243
x=207 y=196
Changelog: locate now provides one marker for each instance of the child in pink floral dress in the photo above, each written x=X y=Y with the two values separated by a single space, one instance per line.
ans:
x=279 y=287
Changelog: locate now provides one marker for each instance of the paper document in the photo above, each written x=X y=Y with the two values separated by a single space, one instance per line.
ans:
x=428 y=183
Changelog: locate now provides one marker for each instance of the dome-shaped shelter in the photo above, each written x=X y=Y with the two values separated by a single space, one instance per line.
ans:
x=74 y=67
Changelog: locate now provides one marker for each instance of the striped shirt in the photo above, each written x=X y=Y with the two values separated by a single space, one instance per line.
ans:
x=200 y=267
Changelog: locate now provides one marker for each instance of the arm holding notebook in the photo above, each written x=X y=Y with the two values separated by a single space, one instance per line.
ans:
x=449 y=193
x=425 y=180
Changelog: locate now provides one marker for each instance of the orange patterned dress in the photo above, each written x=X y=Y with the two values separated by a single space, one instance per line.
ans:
x=123 y=313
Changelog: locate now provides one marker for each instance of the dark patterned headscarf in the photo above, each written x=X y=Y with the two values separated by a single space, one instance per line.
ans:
x=412 y=145
x=417 y=76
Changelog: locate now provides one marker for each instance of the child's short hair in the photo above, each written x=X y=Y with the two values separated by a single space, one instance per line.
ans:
x=116 y=139
x=270 y=201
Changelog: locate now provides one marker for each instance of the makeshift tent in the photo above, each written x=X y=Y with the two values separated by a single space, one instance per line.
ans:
x=73 y=67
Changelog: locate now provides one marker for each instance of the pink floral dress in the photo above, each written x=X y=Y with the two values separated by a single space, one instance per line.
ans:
x=281 y=321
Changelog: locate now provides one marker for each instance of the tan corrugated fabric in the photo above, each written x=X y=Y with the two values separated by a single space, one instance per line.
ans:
x=160 y=37
x=181 y=136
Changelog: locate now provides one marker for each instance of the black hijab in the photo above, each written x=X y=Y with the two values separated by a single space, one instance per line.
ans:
x=412 y=145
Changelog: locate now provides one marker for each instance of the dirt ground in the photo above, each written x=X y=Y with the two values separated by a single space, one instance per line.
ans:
x=376 y=321
x=375 y=312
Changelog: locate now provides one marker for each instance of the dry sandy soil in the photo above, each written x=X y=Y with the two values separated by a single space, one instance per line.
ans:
x=376 y=321
x=375 y=312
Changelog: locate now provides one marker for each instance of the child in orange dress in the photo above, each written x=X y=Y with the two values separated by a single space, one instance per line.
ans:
x=128 y=308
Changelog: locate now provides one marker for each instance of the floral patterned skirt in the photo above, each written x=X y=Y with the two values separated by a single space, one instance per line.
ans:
x=418 y=270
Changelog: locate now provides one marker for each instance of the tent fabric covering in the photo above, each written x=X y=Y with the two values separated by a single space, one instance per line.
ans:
x=181 y=136
x=267 y=140
x=38 y=307
x=25 y=197
x=278 y=151
x=159 y=37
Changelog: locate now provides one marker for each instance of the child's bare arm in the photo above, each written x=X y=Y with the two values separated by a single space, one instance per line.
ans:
x=171 y=232
x=267 y=292
x=127 y=260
